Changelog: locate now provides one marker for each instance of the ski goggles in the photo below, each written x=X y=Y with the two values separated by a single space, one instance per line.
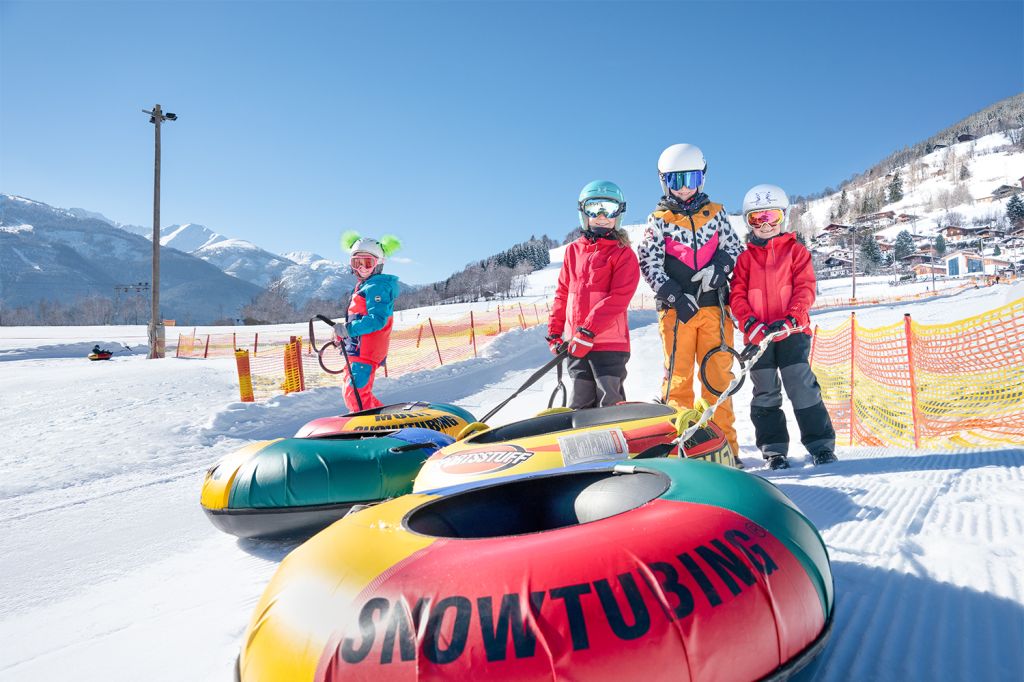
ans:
x=363 y=261
x=772 y=216
x=677 y=180
x=609 y=208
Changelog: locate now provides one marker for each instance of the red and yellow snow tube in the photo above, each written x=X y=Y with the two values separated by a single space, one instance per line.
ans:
x=442 y=417
x=565 y=438
x=669 y=569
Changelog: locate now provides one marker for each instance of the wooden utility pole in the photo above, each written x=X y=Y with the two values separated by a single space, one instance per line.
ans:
x=156 y=327
x=853 y=266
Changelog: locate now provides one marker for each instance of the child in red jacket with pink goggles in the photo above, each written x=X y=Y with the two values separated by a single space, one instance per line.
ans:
x=773 y=289
x=599 y=276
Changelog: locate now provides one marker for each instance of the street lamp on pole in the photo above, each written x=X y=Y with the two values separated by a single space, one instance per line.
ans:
x=156 y=327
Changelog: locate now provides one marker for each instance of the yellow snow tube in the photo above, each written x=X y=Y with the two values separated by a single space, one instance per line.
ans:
x=550 y=441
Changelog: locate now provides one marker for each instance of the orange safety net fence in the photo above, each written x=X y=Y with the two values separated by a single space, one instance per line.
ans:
x=932 y=386
x=284 y=362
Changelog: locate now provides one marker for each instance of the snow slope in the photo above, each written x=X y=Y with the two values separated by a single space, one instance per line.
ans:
x=109 y=569
x=991 y=162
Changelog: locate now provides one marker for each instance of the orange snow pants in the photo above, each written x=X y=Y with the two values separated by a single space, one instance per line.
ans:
x=693 y=341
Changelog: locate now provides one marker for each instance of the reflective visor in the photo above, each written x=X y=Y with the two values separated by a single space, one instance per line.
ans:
x=601 y=206
x=772 y=216
x=363 y=261
x=679 y=179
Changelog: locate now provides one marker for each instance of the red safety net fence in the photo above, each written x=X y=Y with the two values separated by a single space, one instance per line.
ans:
x=934 y=386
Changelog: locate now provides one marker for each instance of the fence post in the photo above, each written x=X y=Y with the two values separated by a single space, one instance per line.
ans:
x=522 y=316
x=438 y=347
x=298 y=365
x=244 y=376
x=853 y=364
x=915 y=415
x=472 y=332
x=814 y=343
x=499 y=318
x=207 y=349
x=234 y=341
x=291 y=379
x=419 y=335
x=177 y=349
x=536 y=313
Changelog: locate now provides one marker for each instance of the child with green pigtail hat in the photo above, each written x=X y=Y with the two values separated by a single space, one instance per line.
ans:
x=366 y=330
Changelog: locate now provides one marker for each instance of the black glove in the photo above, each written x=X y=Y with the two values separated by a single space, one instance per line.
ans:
x=686 y=307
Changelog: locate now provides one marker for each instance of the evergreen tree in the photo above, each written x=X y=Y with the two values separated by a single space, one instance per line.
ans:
x=965 y=171
x=904 y=245
x=1015 y=210
x=940 y=246
x=996 y=251
x=895 y=188
x=870 y=251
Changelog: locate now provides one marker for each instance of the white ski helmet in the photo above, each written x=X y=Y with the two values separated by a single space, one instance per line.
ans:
x=370 y=246
x=681 y=157
x=761 y=197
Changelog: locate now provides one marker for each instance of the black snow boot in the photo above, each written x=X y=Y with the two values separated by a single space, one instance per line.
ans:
x=825 y=456
x=778 y=462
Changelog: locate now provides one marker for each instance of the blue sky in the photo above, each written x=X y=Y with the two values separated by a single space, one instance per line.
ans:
x=466 y=127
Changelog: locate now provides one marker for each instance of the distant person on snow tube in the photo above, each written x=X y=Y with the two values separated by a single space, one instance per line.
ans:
x=687 y=254
x=598 y=279
x=366 y=330
x=773 y=290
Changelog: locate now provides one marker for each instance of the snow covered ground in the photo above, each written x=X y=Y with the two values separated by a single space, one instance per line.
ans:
x=109 y=570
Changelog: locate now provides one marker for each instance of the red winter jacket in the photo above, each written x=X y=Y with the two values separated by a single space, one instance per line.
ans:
x=773 y=281
x=597 y=282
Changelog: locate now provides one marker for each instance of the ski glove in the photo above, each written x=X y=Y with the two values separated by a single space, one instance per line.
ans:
x=341 y=332
x=671 y=294
x=555 y=343
x=582 y=342
x=715 y=274
x=788 y=324
x=754 y=331
x=686 y=308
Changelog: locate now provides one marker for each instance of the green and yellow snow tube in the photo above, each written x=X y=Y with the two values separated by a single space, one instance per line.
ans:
x=292 y=486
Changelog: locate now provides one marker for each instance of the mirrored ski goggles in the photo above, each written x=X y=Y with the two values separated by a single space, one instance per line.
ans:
x=363 y=261
x=772 y=216
x=677 y=180
x=610 y=208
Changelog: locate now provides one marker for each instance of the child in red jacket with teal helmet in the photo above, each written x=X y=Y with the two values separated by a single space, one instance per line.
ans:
x=599 y=276
x=773 y=288
x=366 y=331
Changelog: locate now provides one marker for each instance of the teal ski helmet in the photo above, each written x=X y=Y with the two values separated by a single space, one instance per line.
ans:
x=601 y=189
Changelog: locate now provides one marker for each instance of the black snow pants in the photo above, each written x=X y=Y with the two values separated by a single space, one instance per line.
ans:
x=788 y=357
x=597 y=378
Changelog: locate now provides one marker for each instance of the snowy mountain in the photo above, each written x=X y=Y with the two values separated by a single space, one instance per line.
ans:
x=135 y=229
x=244 y=260
x=188 y=238
x=304 y=275
x=50 y=254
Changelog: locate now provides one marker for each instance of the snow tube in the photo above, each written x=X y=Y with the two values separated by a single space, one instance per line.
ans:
x=673 y=568
x=293 y=486
x=562 y=439
x=105 y=355
x=435 y=416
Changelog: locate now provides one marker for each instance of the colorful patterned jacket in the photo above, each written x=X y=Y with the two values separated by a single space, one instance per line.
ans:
x=678 y=243
x=369 y=318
